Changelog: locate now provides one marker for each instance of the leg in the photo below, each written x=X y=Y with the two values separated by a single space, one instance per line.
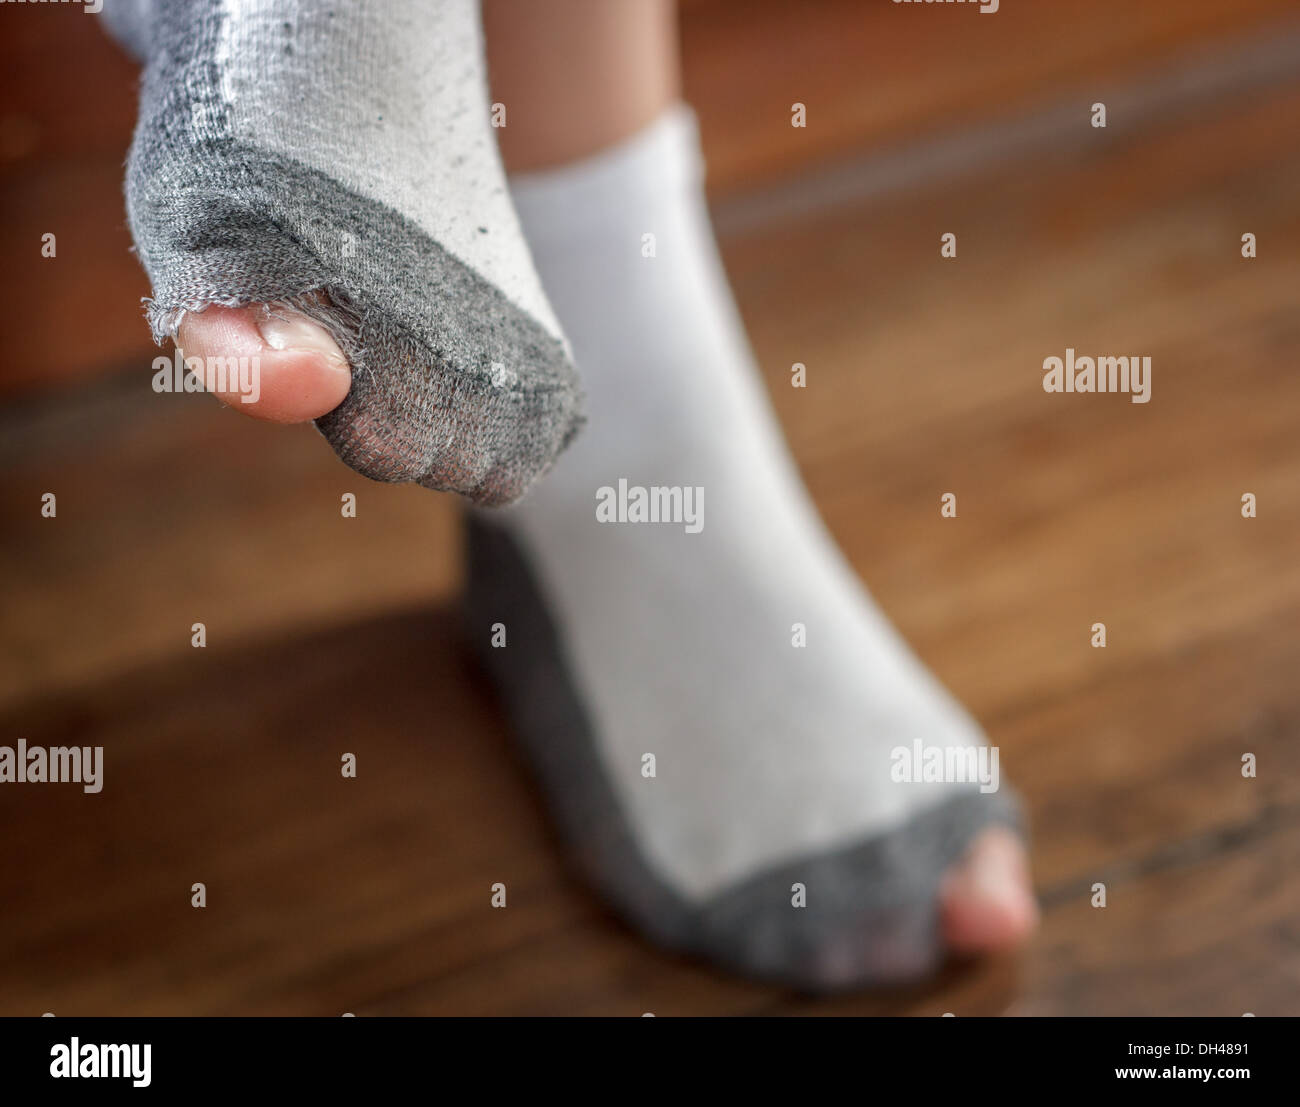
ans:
x=578 y=76
x=771 y=764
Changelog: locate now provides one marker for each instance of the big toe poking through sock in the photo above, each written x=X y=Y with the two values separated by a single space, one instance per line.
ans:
x=736 y=741
x=339 y=159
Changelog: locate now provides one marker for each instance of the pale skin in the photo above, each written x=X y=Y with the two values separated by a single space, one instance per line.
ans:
x=619 y=72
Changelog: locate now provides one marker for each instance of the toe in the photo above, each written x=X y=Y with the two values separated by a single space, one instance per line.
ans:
x=987 y=902
x=292 y=371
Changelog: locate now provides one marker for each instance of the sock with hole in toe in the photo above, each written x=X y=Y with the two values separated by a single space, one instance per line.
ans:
x=745 y=756
x=340 y=159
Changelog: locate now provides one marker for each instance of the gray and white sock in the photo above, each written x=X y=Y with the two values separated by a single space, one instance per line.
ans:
x=774 y=766
x=339 y=159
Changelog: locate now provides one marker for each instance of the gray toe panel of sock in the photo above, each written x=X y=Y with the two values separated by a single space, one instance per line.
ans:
x=453 y=385
x=871 y=909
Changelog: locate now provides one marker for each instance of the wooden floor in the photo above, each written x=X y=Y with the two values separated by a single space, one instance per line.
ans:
x=328 y=635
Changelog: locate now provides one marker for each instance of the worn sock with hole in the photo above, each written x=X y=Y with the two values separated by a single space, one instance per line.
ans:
x=340 y=159
x=731 y=780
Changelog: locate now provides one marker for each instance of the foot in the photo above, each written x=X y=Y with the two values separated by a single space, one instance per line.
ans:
x=724 y=722
x=338 y=161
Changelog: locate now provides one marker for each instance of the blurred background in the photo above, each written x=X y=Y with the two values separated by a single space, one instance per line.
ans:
x=328 y=635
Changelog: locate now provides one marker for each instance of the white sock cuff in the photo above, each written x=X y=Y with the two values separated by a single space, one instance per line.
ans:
x=662 y=157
